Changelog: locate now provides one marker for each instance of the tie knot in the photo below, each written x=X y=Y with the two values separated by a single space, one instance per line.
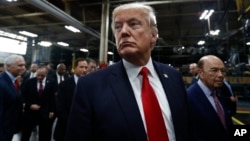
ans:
x=213 y=93
x=144 y=71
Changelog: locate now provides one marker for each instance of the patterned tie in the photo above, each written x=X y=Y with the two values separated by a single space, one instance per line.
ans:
x=40 y=90
x=156 y=129
x=219 y=109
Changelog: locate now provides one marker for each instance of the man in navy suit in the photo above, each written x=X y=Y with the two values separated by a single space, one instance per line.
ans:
x=193 y=69
x=61 y=73
x=210 y=122
x=10 y=97
x=31 y=73
x=64 y=98
x=107 y=104
x=39 y=99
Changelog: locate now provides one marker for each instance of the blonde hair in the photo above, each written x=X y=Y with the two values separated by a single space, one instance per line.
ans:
x=147 y=10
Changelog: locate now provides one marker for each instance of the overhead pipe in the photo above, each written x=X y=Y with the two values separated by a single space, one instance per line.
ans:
x=53 y=10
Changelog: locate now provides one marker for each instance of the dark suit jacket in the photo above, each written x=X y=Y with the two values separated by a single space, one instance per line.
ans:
x=54 y=76
x=46 y=100
x=225 y=94
x=104 y=107
x=26 y=76
x=206 y=122
x=63 y=104
x=10 y=108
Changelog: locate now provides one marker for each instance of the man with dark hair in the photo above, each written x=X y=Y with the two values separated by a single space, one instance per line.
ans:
x=91 y=65
x=65 y=96
x=1 y=68
x=39 y=99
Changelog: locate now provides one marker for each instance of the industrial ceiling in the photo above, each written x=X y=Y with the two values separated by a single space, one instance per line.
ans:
x=178 y=22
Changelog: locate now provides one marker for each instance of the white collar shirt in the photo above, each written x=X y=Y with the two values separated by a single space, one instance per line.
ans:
x=136 y=83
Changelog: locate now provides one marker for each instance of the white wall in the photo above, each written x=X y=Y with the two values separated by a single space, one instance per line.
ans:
x=3 y=55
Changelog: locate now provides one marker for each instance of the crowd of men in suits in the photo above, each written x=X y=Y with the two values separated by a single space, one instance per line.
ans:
x=119 y=103
x=36 y=97
x=42 y=108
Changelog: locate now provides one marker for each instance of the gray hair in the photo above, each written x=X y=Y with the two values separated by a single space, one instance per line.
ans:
x=10 y=60
x=148 y=11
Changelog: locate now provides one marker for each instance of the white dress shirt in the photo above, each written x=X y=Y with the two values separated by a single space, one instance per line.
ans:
x=136 y=83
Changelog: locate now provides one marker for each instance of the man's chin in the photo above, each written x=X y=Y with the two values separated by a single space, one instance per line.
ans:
x=127 y=52
x=219 y=84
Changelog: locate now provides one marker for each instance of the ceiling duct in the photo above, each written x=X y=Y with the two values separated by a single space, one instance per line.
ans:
x=51 y=9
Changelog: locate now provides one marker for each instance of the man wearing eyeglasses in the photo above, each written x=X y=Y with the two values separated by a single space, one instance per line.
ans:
x=211 y=119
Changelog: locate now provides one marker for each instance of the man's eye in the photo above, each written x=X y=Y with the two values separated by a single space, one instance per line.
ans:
x=118 y=27
x=134 y=24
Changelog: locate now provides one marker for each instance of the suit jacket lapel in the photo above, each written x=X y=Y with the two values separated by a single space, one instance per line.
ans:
x=11 y=85
x=165 y=79
x=125 y=96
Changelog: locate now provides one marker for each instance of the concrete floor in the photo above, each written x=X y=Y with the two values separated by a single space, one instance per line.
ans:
x=34 y=135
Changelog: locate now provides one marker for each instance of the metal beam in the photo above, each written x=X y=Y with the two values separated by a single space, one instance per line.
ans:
x=51 y=9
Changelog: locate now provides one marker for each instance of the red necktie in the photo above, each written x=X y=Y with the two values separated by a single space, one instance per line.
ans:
x=156 y=129
x=16 y=85
x=219 y=109
x=40 y=90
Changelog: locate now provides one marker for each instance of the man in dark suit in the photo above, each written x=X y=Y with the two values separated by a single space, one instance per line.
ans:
x=10 y=97
x=39 y=99
x=64 y=98
x=211 y=118
x=107 y=104
x=61 y=73
x=31 y=73
x=194 y=70
x=228 y=97
x=1 y=68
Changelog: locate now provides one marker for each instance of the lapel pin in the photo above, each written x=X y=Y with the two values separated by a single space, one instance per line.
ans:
x=165 y=75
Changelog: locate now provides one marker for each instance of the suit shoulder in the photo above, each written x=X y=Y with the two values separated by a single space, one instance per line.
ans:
x=167 y=69
x=68 y=81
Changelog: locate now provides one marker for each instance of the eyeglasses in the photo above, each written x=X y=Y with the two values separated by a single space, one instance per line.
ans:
x=216 y=71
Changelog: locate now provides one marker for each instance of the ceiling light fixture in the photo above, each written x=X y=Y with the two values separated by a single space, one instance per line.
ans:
x=12 y=35
x=201 y=42
x=63 y=44
x=214 y=32
x=206 y=14
x=248 y=43
x=28 y=34
x=45 y=43
x=110 y=53
x=71 y=28
x=11 y=0
x=84 y=50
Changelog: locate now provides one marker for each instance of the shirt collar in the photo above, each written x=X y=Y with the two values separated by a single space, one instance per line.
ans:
x=204 y=88
x=76 y=78
x=43 y=81
x=133 y=70
x=11 y=76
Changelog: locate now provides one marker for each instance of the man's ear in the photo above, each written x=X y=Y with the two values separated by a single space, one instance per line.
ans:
x=154 y=37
